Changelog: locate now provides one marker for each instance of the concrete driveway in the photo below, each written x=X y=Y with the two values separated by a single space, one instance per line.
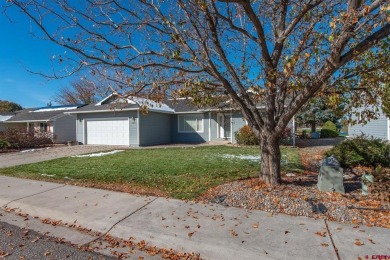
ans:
x=45 y=154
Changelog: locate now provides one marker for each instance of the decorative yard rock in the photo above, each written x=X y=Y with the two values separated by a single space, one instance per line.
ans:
x=367 y=179
x=330 y=177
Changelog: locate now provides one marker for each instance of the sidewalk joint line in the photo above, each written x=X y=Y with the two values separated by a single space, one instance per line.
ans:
x=5 y=205
x=119 y=221
x=331 y=240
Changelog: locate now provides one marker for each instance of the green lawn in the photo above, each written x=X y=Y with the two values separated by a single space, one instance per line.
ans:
x=182 y=173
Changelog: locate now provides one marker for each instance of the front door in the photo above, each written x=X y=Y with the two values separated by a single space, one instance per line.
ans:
x=224 y=123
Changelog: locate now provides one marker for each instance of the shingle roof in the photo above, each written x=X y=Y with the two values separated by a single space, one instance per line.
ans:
x=181 y=105
x=186 y=105
x=6 y=113
x=104 y=107
x=28 y=115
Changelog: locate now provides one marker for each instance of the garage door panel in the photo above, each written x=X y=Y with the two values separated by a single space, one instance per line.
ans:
x=110 y=132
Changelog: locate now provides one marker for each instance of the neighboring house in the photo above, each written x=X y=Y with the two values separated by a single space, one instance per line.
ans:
x=142 y=122
x=378 y=128
x=47 y=120
x=4 y=116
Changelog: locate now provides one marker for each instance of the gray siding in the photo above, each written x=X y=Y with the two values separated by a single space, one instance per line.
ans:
x=189 y=137
x=155 y=128
x=65 y=129
x=133 y=128
x=374 y=128
x=214 y=127
x=238 y=121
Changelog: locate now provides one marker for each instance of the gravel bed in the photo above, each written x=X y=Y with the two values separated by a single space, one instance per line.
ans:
x=302 y=198
x=299 y=196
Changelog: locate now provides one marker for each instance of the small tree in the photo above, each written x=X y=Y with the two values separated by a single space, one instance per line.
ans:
x=318 y=111
x=8 y=106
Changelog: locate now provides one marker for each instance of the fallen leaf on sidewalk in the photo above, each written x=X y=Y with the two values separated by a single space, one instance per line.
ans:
x=286 y=232
x=358 y=242
x=322 y=234
x=190 y=234
x=256 y=225
x=324 y=244
x=233 y=232
x=372 y=242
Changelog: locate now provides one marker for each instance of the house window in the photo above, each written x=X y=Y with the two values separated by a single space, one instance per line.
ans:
x=30 y=127
x=43 y=128
x=190 y=123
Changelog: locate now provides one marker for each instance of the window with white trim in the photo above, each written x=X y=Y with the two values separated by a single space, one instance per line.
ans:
x=43 y=127
x=191 y=123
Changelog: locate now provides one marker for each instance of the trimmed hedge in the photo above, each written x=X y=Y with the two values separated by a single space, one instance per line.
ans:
x=245 y=136
x=329 y=130
x=362 y=150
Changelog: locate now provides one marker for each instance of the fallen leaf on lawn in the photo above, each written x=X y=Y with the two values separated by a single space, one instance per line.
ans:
x=358 y=242
x=3 y=254
x=324 y=244
x=35 y=240
x=190 y=234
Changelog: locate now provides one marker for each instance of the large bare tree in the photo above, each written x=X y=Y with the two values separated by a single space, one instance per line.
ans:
x=81 y=91
x=279 y=53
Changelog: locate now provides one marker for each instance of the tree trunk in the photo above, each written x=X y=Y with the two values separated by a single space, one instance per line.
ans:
x=270 y=160
x=313 y=126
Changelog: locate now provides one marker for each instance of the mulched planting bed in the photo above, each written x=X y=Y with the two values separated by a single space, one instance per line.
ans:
x=299 y=195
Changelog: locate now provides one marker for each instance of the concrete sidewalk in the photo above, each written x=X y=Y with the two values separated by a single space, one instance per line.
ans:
x=213 y=231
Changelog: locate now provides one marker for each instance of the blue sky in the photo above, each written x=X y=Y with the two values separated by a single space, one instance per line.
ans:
x=19 y=51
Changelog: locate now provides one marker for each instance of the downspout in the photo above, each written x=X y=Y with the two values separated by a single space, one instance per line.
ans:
x=209 y=126
x=388 y=129
x=138 y=127
x=54 y=127
x=231 y=126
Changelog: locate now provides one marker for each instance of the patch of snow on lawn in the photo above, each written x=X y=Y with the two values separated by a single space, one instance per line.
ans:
x=98 y=154
x=254 y=158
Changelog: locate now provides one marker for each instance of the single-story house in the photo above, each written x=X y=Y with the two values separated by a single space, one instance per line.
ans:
x=142 y=122
x=378 y=128
x=49 y=120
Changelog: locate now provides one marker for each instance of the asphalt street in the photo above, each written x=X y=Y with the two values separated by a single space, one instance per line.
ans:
x=19 y=243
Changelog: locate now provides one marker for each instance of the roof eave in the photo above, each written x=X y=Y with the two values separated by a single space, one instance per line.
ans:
x=104 y=111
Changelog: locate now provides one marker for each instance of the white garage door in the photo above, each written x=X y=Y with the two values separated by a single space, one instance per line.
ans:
x=110 y=132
